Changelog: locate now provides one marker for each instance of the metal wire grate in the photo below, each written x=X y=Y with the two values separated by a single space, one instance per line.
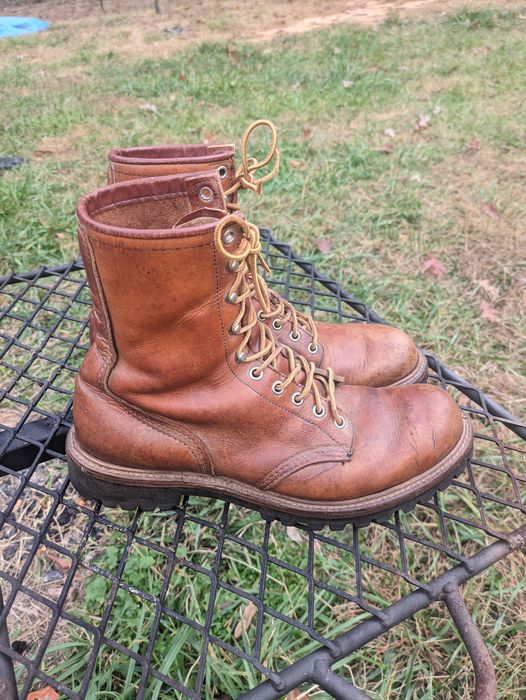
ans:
x=151 y=605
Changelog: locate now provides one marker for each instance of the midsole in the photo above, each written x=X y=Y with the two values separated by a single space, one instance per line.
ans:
x=225 y=487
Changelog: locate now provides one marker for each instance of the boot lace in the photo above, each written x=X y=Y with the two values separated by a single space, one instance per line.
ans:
x=278 y=310
x=321 y=383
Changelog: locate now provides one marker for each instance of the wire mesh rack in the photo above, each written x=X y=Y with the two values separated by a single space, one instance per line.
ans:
x=153 y=605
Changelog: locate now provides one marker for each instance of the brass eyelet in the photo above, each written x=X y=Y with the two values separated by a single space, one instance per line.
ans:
x=206 y=193
x=255 y=373
x=296 y=401
x=342 y=424
x=321 y=414
x=277 y=388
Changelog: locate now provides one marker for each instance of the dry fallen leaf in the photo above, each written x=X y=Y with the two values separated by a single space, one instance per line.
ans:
x=489 y=312
x=298 y=164
x=295 y=86
x=347 y=83
x=244 y=623
x=390 y=133
x=59 y=563
x=423 y=122
x=148 y=107
x=433 y=266
x=489 y=288
x=46 y=693
x=386 y=148
x=491 y=210
x=295 y=535
x=416 y=178
x=295 y=694
x=324 y=245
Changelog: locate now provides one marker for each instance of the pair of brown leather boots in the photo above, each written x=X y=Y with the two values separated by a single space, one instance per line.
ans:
x=200 y=379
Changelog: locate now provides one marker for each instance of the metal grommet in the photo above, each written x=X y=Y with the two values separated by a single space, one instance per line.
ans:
x=296 y=401
x=255 y=373
x=228 y=236
x=313 y=349
x=342 y=424
x=206 y=193
x=222 y=172
x=235 y=330
x=294 y=336
x=277 y=388
x=261 y=315
x=276 y=325
x=232 y=266
x=240 y=357
x=321 y=414
x=231 y=297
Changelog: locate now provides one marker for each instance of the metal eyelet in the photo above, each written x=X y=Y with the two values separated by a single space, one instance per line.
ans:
x=222 y=172
x=235 y=330
x=276 y=325
x=313 y=349
x=294 y=336
x=240 y=357
x=232 y=266
x=261 y=315
x=206 y=193
x=321 y=414
x=231 y=297
x=277 y=388
x=296 y=401
x=255 y=373
x=229 y=237
x=342 y=424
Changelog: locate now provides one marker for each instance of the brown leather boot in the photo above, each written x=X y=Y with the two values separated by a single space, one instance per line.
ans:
x=185 y=390
x=363 y=354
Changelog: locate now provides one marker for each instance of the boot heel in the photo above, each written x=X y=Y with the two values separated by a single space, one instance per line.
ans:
x=121 y=495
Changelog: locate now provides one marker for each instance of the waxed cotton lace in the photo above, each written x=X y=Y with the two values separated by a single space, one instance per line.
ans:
x=278 y=309
x=247 y=322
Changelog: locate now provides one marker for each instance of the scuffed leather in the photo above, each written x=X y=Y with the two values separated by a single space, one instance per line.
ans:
x=160 y=387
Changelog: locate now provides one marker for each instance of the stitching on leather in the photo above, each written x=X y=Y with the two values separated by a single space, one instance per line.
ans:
x=291 y=466
x=201 y=456
x=137 y=200
x=198 y=172
x=142 y=250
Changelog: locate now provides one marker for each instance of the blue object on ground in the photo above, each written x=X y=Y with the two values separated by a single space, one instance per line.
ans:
x=16 y=26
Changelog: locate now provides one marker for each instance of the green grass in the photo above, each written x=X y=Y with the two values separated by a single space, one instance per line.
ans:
x=383 y=213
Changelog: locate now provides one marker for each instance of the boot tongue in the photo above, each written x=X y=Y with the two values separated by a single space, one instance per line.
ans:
x=199 y=217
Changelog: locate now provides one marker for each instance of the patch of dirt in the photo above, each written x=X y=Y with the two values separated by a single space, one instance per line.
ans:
x=133 y=27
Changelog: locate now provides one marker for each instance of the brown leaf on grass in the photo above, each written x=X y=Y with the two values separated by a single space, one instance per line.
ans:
x=298 y=164
x=474 y=144
x=244 y=623
x=324 y=245
x=295 y=535
x=491 y=210
x=423 y=122
x=433 y=266
x=295 y=694
x=208 y=137
x=59 y=563
x=489 y=312
x=306 y=133
x=489 y=288
x=46 y=693
x=386 y=148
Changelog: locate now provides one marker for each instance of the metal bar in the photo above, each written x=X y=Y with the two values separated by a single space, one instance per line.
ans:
x=7 y=672
x=338 y=687
x=485 y=679
x=406 y=607
x=45 y=271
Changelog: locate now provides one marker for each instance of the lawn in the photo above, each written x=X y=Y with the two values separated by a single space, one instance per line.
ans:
x=403 y=159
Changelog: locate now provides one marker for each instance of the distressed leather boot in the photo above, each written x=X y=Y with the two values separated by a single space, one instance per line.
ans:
x=186 y=390
x=363 y=354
